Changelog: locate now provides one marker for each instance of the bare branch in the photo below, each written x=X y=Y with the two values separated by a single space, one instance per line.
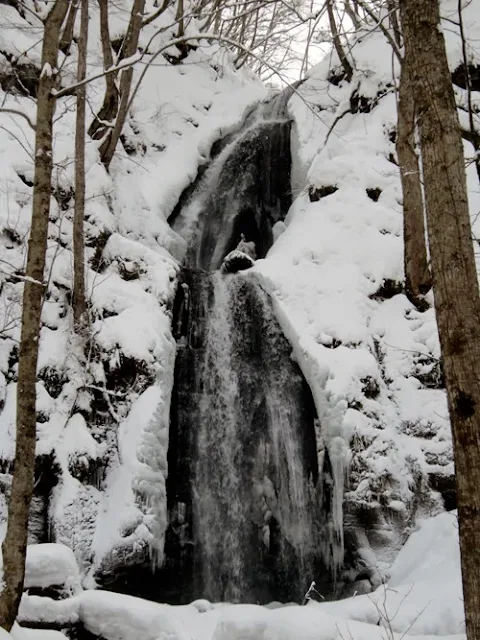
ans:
x=18 y=113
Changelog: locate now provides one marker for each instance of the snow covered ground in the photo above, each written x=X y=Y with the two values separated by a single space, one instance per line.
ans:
x=421 y=599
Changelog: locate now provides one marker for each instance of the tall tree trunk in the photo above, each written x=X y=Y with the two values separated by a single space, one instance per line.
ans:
x=14 y=545
x=108 y=146
x=67 y=35
x=417 y=274
x=180 y=19
x=457 y=299
x=79 y=304
x=109 y=108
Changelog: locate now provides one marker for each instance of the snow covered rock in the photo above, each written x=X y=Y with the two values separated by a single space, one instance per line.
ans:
x=51 y=565
x=236 y=261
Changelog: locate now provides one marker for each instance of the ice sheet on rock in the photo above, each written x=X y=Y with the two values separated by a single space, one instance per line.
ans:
x=424 y=592
x=141 y=470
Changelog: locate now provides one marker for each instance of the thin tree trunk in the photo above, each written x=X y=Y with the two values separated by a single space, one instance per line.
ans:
x=457 y=299
x=180 y=19
x=67 y=36
x=337 y=43
x=392 y=9
x=109 y=108
x=417 y=274
x=14 y=545
x=108 y=146
x=352 y=15
x=79 y=304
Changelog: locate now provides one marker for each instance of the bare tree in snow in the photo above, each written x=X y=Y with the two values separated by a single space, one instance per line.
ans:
x=79 y=301
x=15 y=542
x=455 y=282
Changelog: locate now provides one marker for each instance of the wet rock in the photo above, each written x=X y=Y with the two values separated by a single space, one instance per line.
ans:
x=237 y=261
x=317 y=193
x=374 y=194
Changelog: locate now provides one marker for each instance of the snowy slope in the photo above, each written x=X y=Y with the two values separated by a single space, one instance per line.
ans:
x=104 y=402
x=371 y=358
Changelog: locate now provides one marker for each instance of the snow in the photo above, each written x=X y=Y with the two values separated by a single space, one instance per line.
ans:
x=24 y=633
x=422 y=599
x=325 y=274
x=50 y=564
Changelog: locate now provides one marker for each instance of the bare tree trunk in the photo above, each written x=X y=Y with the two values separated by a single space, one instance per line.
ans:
x=109 y=108
x=67 y=35
x=417 y=274
x=15 y=543
x=392 y=9
x=352 y=15
x=108 y=146
x=179 y=18
x=457 y=299
x=79 y=303
x=337 y=43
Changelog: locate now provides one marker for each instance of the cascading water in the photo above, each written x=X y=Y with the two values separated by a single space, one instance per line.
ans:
x=243 y=476
x=245 y=190
x=243 y=491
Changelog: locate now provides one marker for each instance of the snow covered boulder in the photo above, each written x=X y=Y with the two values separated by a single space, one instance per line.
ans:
x=237 y=261
x=51 y=569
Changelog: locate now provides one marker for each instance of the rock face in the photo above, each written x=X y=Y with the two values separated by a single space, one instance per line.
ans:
x=244 y=488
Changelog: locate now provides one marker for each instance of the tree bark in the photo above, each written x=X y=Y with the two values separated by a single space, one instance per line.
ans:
x=79 y=303
x=109 y=108
x=108 y=146
x=15 y=543
x=457 y=299
x=180 y=19
x=67 y=36
x=417 y=275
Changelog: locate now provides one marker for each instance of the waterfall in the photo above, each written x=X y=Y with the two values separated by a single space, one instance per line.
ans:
x=251 y=491
x=244 y=190
x=217 y=473
x=245 y=498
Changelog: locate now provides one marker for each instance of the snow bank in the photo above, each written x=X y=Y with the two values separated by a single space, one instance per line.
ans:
x=23 y=633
